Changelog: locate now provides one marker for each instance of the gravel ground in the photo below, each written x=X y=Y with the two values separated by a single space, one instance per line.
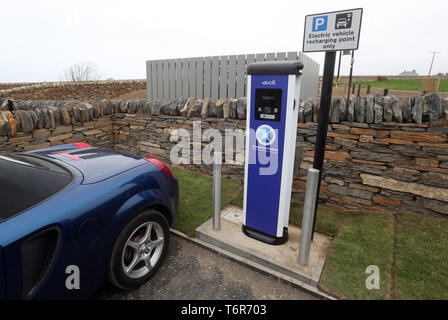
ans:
x=192 y=272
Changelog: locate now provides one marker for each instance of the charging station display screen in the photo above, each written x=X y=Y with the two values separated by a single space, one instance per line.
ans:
x=268 y=103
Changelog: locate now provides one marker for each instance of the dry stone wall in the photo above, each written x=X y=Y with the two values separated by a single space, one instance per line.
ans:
x=378 y=166
x=85 y=90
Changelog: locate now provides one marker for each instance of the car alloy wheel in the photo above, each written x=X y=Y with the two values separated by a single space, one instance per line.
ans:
x=139 y=250
x=142 y=250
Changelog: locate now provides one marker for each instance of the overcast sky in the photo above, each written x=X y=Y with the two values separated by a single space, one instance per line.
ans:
x=39 y=39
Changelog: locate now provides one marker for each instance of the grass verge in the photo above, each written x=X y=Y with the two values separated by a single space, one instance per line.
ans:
x=364 y=239
x=195 y=203
x=410 y=250
x=407 y=85
x=421 y=257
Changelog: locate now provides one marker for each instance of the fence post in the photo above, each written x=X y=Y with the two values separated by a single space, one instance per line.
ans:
x=308 y=216
x=217 y=190
x=386 y=92
x=359 y=90
x=368 y=89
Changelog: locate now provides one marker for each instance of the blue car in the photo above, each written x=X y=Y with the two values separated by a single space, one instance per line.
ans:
x=72 y=216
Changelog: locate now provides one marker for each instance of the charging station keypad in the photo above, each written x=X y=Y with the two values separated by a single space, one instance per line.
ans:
x=268 y=103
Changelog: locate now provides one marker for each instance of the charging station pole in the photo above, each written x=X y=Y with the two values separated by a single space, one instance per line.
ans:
x=325 y=32
x=273 y=97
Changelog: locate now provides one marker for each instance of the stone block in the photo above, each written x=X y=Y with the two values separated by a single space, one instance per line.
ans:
x=19 y=139
x=397 y=111
x=437 y=206
x=351 y=109
x=370 y=102
x=387 y=109
x=377 y=113
x=394 y=141
x=363 y=187
x=204 y=110
x=334 y=181
x=60 y=137
x=352 y=201
x=387 y=201
x=331 y=155
x=348 y=143
x=417 y=110
x=422 y=190
x=407 y=109
x=97 y=131
x=62 y=129
x=432 y=107
x=435 y=179
x=342 y=135
x=41 y=134
x=233 y=114
x=36 y=146
x=241 y=105
x=376 y=156
x=404 y=174
x=360 y=109
x=361 y=131
x=346 y=191
x=418 y=136
x=341 y=127
x=366 y=139
x=440 y=151
x=426 y=162
x=335 y=112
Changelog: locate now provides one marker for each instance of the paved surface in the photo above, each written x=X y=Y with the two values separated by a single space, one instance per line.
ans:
x=281 y=258
x=192 y=272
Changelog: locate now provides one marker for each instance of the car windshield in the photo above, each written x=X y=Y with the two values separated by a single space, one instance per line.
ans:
x=26 y=181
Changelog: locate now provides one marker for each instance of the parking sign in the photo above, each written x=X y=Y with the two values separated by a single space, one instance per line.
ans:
x=332 y=31
x=320 y=23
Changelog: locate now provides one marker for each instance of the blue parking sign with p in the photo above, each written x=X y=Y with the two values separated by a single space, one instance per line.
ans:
x=320 y=23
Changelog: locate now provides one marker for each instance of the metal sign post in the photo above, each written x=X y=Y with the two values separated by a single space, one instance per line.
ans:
x=326 y=32
x=217 y=190
x=350 y=79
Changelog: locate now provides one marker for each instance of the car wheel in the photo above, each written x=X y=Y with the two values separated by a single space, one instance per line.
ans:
x=139 y=250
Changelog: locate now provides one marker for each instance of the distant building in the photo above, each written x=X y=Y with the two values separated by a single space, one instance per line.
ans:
x=412 y=73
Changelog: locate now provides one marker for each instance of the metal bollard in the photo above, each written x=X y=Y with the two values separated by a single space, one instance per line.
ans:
x=308 y=216
x=217 y=190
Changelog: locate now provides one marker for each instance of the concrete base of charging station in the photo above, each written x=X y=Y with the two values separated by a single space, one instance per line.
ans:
x=282 y=259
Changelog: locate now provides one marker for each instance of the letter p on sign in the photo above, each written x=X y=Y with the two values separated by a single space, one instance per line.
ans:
x=320 y=23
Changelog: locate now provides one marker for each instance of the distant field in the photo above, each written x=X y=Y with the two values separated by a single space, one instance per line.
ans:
x=408 y=85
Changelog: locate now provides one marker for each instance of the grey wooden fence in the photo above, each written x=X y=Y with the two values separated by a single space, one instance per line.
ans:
x=218 y=77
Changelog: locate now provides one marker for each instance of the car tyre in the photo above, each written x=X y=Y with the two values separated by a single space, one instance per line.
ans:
x=139 y=250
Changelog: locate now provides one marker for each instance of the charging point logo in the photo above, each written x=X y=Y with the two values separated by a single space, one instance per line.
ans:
x=265 y=135
x=320 y=23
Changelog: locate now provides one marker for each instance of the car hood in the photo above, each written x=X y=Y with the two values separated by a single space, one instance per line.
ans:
x=95 y=164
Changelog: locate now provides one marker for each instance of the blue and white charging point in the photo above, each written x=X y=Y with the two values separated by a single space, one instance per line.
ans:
x=273 y=97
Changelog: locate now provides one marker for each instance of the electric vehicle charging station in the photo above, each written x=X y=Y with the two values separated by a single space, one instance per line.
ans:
x=273 y=98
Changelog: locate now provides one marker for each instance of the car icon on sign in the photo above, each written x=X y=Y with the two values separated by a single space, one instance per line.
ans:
x=342 y=23
x=344 y=20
